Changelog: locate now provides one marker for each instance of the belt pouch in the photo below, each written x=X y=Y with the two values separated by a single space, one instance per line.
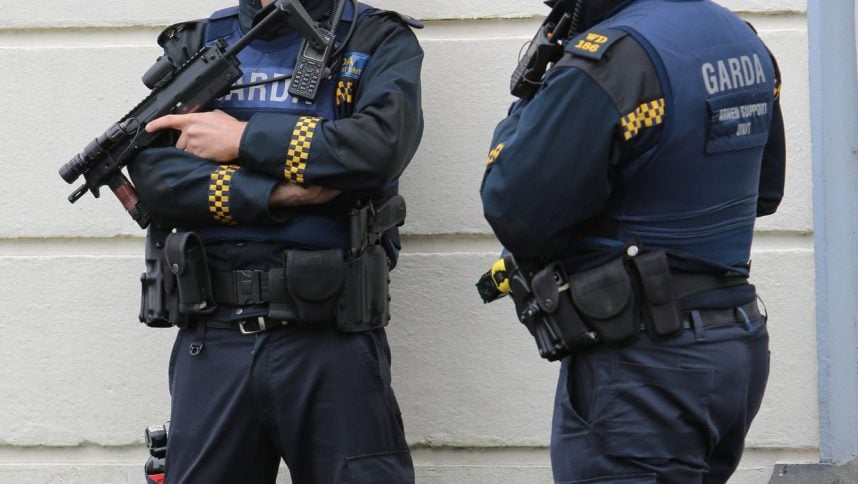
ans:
x=605 y=299
x=314 y=280
x=159 y=303
x=660 y=305
x=187 y=260
x=280 y=307
x=363 y=305
x=562 y=327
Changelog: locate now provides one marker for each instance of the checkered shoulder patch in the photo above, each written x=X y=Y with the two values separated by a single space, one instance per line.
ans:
x=299 y=149
x=646 y=115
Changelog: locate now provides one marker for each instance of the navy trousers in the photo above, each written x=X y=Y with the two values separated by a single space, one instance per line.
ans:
x=319 y=399
x=660 y=412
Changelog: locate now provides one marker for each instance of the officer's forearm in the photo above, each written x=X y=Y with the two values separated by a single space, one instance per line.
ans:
x=286 y=195
x=190 y=191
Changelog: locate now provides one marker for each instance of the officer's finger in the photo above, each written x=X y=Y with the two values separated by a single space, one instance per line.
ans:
x=170 y=121
x=182 y=142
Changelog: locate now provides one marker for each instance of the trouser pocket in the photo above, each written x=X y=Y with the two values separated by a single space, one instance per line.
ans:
x=657 y=412
x=617 y=479
x=381 y=468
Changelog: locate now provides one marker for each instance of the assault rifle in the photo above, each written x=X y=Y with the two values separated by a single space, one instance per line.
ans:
x=184 y=89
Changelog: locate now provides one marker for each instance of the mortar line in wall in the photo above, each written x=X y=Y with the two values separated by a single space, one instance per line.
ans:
x=423 y=456
x=14 y=35
x=128 y=246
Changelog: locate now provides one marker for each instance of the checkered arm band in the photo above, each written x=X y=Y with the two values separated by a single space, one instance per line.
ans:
x=646 y=115
x=493 y=154
x=345 y=92
x=219 y=186
x=299 y=149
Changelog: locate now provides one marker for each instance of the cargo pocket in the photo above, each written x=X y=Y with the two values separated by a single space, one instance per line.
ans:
x=657 y=412
x=382 y=468
x=620 y=479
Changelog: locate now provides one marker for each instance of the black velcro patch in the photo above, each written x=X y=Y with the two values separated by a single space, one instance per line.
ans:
x=407 y=20
x=593 y=44
x=174 y=29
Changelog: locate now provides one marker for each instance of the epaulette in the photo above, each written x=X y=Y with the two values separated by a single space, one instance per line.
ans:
x=407 y=20
x=593 y=44
x=173 y=30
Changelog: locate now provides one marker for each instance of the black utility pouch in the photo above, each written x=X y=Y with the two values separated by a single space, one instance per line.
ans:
x=660 y=305
x=561 y=330
x=186 y=258
x=604 y=297
x=314 y=280
x=159 y=301
x=363 y=305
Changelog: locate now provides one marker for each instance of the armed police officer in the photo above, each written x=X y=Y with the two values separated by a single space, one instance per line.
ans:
x=283 y=197
x=625 y=184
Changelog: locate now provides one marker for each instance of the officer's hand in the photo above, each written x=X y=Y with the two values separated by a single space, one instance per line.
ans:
x=290 y=195
x=212 y=135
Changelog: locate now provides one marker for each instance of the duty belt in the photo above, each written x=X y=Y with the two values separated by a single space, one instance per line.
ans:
x=715 y=317
x=242 y=288
x=688 y=283
x=248 y=325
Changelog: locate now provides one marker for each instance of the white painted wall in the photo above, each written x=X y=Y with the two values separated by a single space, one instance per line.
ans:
x=80 y=378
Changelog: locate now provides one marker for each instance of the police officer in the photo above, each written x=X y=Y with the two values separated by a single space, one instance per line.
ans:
x=265 y=182
x=640 y=162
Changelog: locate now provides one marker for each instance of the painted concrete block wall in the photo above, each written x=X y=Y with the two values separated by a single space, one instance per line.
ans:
x=80 y=378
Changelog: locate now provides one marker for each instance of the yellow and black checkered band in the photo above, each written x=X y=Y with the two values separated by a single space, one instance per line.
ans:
x=219 y=206
x=493 y=154
x=646 y=115
x=345 y=92
x=299 y=149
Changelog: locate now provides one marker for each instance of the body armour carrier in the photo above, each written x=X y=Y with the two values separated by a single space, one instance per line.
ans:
x=696 y=192
x=320 y=227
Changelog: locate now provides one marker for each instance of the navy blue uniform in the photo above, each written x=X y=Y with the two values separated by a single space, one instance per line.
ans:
x=320 y=399
x=660 y=126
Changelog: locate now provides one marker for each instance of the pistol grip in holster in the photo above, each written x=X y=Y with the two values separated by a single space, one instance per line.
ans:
x=544 y=307
x=186 y=258
x=550 y=291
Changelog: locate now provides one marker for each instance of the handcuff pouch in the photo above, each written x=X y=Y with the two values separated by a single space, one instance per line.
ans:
x=186 y=258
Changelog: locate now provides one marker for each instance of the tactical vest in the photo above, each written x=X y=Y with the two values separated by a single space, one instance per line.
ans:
x=311 y=227
x=696 y=192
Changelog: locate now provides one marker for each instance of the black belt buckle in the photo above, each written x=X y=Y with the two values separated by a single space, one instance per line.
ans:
x=260 y=325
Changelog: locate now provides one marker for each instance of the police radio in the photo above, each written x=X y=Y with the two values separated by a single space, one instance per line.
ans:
x=544 y=49
x=312 y=66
